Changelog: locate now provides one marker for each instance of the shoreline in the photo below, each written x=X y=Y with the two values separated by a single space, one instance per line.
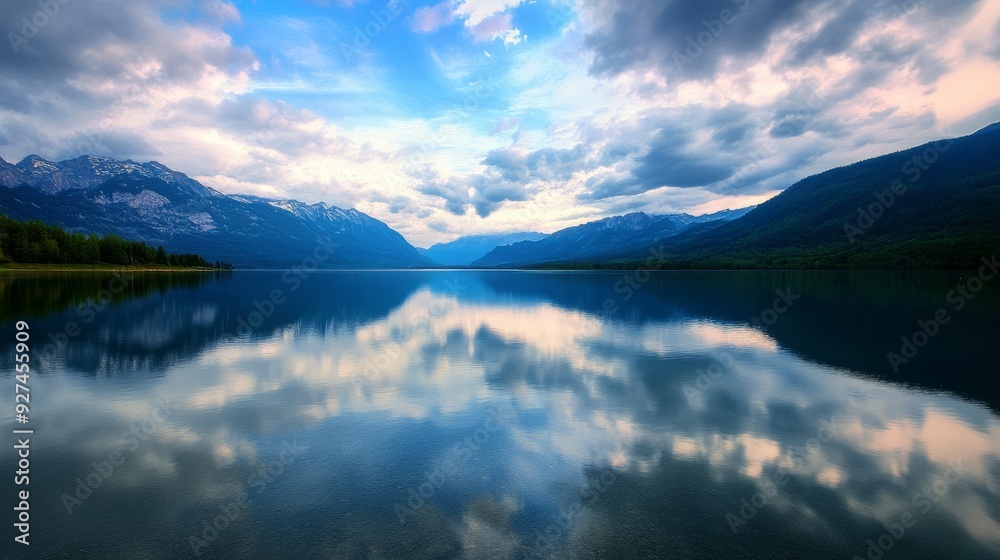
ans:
x=98 y=268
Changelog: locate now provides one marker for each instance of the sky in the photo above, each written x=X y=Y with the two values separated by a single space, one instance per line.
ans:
x=464 y=117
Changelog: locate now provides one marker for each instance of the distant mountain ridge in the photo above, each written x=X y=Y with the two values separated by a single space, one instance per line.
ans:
x=933 y=206
x=87 y=172
x=929 y=207
x=601 y=238
x=466 y=250
x=153 y=203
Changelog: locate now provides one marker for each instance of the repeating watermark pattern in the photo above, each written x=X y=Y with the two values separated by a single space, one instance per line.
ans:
x=86 y=312
x=470 y=103
x=706 y=378
x=913 y=170
x=129 y=443
x=781 y=305
x=92 y=141
x=560 y=12
x=365 y=34
x=454 y=458
x=380 y=365
x=901 y=10
x=545 y=543
x=723 y=360
x=31 y=26
x=921 y=503
x=769 y=488
x=696 y=44
x=257 y=482
x=630 y=283
x=793 y=122
x=927 y=329
x=293 y=278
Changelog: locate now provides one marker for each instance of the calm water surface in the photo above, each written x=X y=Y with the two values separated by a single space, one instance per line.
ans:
x=503 y=415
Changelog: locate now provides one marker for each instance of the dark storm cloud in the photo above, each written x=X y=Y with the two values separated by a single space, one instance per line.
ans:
x=510 y=163
x=455 y=196
x=545 y=164
x=94 y=41
x=995 y=50
x=687 y=40
x=615 y=152
x=730 y=124
x=405 y=206
x=937 y=10
x=600 y=188
x=805 y=109
x=667 y=162
x=111 y=143
x=731 y=134
x=485 y=194
x=660 y=33
x=18 y=131
x=490 y=194
x=837 y=34
x=714 y=148
x=884 y=54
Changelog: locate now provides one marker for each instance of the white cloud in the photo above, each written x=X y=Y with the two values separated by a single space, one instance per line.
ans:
x=497 y=27
x=428 y=19
x=475 y=12
x=144 y=86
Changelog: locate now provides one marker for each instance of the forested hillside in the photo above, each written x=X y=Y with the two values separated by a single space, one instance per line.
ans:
x=36 y=242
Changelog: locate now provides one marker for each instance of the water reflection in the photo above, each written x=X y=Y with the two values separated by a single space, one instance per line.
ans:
x=633 y=434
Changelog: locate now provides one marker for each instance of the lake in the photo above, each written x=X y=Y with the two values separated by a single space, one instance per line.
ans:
x=507 y=414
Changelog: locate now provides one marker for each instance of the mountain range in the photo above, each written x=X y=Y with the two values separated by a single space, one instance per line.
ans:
x=932 y=206
x=935 y=206
x=152 y=203
x=601 y=239
x=466 y=250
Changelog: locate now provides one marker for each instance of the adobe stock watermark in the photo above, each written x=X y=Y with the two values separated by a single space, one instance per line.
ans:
x=86 y=312
x=32 y=25
x=454 y=458
x=792 y=123
x=374 y=369
x=560 y=12
x=723 y=360
x=912 y=170
x=781 y=305
x=705 y=379
x=470 y=103
x=921 y=503
x=769 y=488
x=900 y=10
x=365 y=34
x=279 y=120
x=545 y=544
x=697 y=44
x=292 y=278
x=229 y=512
x=630 y=283
x=963 y=293
x=92 y=141
x=129 y=443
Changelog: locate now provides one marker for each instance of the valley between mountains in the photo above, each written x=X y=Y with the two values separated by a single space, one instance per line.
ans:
x=932 y=206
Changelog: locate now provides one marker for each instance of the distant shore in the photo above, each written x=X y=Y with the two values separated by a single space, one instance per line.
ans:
x=101 y=268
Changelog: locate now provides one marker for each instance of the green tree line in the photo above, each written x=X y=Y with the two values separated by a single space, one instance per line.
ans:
x=36 y=242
